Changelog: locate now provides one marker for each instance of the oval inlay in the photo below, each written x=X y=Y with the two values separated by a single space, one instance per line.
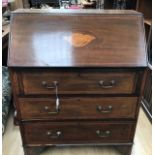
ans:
x=79 y=39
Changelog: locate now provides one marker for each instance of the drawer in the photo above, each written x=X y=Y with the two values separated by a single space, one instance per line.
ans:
x=78 y=108
x=80 y=82
x=77 y=132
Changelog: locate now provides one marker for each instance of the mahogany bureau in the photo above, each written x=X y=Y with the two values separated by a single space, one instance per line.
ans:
x=77 y=76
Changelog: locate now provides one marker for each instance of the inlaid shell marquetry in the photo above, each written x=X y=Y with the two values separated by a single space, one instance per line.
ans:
x=78 y=39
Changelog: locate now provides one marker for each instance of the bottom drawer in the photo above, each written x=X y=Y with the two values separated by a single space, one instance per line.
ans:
x=77 y=133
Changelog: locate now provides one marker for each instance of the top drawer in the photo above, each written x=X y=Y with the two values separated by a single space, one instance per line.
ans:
x=77 y=82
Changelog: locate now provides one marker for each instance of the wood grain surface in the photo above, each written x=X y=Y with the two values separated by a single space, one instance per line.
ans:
x=11 y=143
x=51 y=39
x=46 y=133
x=78 y=108
x=93 y=59
x=92 y=81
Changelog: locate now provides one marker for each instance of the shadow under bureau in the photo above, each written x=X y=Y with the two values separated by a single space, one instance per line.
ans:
x=77 y=77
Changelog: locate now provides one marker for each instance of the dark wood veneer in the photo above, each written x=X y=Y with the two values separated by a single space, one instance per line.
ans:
x=98 y=59
x=77 y=132
x=113 y=44
x=78 y=83
x=74 y=108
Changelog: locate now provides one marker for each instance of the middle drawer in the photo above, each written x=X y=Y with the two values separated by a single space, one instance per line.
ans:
x=78 y=108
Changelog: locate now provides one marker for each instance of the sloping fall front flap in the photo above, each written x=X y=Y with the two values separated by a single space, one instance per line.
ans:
x=71 y=38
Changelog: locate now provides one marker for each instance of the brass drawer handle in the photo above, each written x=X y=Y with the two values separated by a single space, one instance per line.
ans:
x=57 y=110
x=57 y=102
x=53 y=134
x=48 y=86
x=100 y=133
x=104 y=110
x=103 y=84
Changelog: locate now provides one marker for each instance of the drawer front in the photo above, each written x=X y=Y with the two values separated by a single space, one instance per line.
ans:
x=70 y=133
x=78 y=108
x=78 y=82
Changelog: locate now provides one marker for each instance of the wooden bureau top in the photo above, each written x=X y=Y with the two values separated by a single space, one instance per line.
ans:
x=76 y=38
